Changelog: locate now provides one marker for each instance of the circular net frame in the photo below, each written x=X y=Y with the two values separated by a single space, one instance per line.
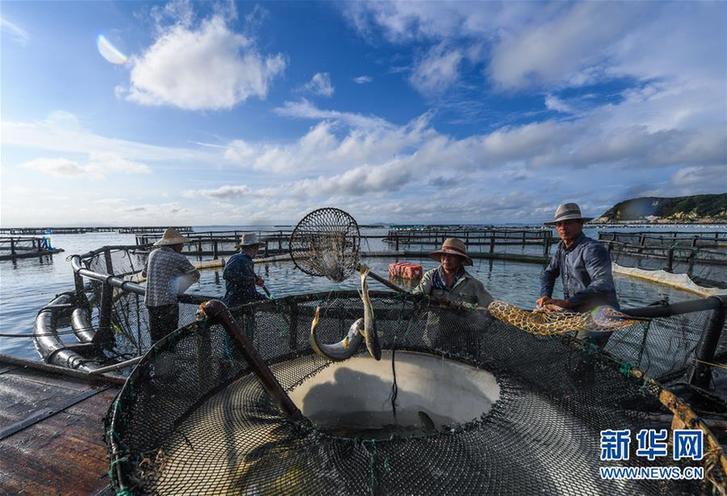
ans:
x=326 y=243
x=193 y=419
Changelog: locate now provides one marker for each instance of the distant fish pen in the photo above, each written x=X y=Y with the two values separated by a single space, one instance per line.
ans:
x=14 y=247
x=701 y=256
x=83 y=230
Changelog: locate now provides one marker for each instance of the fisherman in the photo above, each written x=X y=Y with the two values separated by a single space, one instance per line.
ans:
x=239 y=274
x=584 y=266
x=450 y=281
x=168 y=273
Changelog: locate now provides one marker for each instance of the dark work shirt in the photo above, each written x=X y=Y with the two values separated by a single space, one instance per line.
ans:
x=585 y=271
x=239 y=275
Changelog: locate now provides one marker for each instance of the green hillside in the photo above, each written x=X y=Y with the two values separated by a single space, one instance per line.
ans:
x=691 y=209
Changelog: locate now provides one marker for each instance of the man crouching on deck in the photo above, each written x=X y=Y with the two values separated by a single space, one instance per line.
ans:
x=584 y=266
x=450 y=281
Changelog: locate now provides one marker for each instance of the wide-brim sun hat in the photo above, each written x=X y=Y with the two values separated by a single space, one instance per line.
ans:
x=567 y=211
x=248 y=239
x=171 y=237
x=452 y=246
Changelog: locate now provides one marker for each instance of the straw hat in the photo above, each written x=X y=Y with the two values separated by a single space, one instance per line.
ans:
x=568 y=211
x=171 y=237
x=248 y=239
x=453 y=246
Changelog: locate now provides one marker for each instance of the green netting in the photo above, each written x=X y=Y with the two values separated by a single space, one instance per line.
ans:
x=193 y=419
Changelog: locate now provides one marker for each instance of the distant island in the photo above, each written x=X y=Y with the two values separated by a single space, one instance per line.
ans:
x=697 y=209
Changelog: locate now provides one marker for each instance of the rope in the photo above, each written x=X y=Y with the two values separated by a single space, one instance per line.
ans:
x=710 y=364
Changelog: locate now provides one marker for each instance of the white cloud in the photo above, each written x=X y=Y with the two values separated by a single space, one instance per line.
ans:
x=552 y=102
x=56 y=167
x=705 y=178
x=303 y=109
x=211 y=67
x=223 y=192
x=62 y=132
x=320 y=84
x=362 y=79
x=16 y=33
x=437 y=70
x=99 y=165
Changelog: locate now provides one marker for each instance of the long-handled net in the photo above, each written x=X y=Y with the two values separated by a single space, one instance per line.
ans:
x=326 y=243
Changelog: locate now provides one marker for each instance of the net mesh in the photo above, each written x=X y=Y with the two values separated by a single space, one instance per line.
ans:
x=193 y=419
x=326 y=243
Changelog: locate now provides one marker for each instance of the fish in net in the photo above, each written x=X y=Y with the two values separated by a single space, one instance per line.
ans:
x=326 y=243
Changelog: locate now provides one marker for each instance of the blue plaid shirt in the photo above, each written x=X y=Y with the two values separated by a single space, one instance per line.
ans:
x=585 y=270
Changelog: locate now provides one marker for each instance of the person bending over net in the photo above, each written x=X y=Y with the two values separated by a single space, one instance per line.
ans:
x=168 y=273
x=584 y=267
x=450 y=281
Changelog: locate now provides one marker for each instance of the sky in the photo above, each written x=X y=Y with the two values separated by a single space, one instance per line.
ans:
x=230 y=113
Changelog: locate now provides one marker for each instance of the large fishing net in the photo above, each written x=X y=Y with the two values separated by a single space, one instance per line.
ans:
x=480 y=408
x=461 y=400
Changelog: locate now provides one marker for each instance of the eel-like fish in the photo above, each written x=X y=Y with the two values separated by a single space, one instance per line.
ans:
x=342 y=350
x=602 y=319
x=369 y=329
x=361 y=330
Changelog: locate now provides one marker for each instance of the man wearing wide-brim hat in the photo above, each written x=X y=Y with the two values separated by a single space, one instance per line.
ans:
x=168 y=274
x=584 y=266
x=239 y=273
x=450 y=281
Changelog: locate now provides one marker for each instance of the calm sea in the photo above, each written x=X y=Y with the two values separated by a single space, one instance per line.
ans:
x=27 y=285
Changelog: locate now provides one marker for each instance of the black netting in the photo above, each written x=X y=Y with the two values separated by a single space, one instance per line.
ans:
x=193 y=419
x=704 y=262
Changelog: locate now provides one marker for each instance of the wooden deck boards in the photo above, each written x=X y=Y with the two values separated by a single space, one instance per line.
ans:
x=61 y=449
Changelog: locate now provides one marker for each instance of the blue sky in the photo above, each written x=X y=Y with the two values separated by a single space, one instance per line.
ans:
x=136 y=113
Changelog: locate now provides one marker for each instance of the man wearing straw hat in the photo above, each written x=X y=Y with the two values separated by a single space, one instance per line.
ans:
x=450 y=281
x=584 y=267
x=168 y=274
x=239 y=274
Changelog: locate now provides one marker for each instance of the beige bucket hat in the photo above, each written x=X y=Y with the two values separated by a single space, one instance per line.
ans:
x=567 y=211
x=248 y=239
x=171 y=237
x=453 y=246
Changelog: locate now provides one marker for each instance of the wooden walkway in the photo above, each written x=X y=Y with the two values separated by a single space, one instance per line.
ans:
x=51 y=433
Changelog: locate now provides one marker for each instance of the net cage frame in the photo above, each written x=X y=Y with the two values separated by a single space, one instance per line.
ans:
x=323 y=230
x=375 y=466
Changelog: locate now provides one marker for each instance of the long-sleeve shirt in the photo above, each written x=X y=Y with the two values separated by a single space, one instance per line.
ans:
x=239 y=275
x=465 y=289
x=585 y=271
x=165 y=272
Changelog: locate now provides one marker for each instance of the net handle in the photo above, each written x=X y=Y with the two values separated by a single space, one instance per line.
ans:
x=218 y=312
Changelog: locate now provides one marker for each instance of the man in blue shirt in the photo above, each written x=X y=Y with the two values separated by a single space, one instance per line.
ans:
x=239 y=274
x=584 y=267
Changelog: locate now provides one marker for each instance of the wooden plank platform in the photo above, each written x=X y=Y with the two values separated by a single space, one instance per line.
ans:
x=51 y=433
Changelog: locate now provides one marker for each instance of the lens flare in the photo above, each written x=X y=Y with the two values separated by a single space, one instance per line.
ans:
x=110 y=52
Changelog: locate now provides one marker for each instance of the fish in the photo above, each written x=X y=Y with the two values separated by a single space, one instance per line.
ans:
x=371 y=338
x=602 y=319
x=427 y=422
x=341 y=350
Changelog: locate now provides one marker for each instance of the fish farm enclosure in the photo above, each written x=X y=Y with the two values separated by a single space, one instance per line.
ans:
x=460 y=403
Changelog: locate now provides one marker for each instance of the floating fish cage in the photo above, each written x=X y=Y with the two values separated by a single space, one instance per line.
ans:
x=460 y=403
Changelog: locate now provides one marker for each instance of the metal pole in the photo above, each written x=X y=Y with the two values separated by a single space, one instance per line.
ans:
x=701 y=372
x=104 y=334
x=218 y=312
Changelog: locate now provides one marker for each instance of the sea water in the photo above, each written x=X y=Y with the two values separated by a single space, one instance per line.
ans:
x=26 y=285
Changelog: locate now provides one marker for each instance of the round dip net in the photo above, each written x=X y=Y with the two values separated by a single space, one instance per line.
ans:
x=326 y=243
x=460 y=403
